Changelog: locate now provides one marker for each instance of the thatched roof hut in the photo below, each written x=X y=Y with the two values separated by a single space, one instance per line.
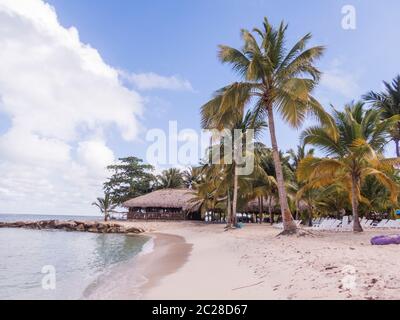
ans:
x=168 y=204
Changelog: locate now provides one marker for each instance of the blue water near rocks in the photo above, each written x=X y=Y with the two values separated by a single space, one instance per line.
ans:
x=77 y=258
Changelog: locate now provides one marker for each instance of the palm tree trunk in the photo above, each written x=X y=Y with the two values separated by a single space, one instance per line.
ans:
x=270 y=211
x=288 y=224
x=396 y=141
x=354 y=203
x=260 y=209
x=235 y=195
x=229 y=211
x=105 y=215
x=310 y=217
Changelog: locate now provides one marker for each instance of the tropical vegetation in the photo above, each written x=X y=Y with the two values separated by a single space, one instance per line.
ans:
x=340 y=167
x=106 y=205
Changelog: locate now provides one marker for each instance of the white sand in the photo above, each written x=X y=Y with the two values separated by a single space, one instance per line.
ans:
x=252 y=263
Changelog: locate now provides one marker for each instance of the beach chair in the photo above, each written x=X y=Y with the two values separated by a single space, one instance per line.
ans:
x=391 y=224
x=388 y=224
x=280 y=225
x=346 y=224
x=363 y=221
x=335 y=225
x=324 y=225
x=368 y=224
x=381 y=224
x=317 y=222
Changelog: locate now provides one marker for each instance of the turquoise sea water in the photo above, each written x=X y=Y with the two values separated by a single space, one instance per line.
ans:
x=29 y=257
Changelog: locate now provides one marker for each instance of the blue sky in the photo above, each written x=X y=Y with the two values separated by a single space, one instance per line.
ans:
x=181 y=37
x=65 y=115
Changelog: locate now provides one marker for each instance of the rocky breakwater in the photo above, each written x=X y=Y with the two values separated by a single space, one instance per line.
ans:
x=80 y=226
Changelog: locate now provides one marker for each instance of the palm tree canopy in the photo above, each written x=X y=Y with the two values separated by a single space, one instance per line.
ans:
x=272 y=74
x=388 y=101
x=357 y=153
x=106 y=204
x=170 y=179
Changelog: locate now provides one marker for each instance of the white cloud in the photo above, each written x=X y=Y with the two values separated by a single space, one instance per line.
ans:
x=339 y=81
x=61 y=98
x=150 y=81
x=95 y=155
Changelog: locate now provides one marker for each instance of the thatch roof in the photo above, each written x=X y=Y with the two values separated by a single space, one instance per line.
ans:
x=166 y=199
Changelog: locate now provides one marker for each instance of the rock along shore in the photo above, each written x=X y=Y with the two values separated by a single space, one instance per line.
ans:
x=80 y=226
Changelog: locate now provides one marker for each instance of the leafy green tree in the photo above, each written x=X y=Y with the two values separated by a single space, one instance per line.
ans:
x=130 y=178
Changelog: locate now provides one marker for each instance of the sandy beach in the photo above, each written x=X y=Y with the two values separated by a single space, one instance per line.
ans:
x=199 y=261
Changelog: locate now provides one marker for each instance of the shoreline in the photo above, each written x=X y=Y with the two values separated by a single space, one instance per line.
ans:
x=197 y=261
x=169 y=254
x=253 y=263
x=162 y=255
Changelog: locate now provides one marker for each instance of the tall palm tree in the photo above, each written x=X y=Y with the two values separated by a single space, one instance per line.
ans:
x=388 y=102
x=106 y=205
x=277 y=80
x=356 y=154
x=170 y=179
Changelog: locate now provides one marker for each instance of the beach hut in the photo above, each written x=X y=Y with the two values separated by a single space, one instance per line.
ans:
x=165 y=204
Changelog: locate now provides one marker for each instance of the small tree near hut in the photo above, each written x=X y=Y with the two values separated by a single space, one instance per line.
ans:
x=106 y=205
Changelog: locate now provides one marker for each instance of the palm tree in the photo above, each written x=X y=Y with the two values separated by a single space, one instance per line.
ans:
x=190 y=177
x=298 y=155
x=277 y=80
x=106 y=205
x=388 y=102
x=356 y=154
x=375 y=197
x=333 y=198
x=263 y=185
x=170 y=179
x=226 y=111
x=268 y=165
x=305 y=197
x=205 y=192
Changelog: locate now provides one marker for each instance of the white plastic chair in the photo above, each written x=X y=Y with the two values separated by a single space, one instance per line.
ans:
x=346 y=226
x=381 y=224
